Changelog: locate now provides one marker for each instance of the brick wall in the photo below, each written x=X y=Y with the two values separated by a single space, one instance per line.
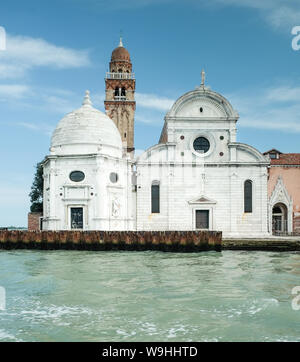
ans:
x=112 y=240
x=297 y=224
x=34 y=221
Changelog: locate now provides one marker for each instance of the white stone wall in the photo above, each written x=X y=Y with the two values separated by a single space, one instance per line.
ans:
x=106 y=205
x=182 y=185
x=189 y=181
x=212 y=181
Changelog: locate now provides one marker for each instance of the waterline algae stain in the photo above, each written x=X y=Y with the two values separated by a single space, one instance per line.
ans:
x=149 y=296
x=177 y=241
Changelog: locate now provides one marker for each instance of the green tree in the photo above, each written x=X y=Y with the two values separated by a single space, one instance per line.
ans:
x=36 y=194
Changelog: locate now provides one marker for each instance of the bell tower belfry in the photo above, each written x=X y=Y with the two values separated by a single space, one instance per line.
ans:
x=119 y=95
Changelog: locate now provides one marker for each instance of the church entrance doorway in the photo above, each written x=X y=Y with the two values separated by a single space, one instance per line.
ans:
x=202 y=219
x=279 y=219
x=76 y=218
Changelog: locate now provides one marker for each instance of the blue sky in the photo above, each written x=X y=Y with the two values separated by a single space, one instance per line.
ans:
x=58 y=49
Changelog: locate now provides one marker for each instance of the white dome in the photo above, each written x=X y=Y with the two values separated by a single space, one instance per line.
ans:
x=86 y=130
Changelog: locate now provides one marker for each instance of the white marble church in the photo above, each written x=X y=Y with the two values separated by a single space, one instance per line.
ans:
x=196 y=177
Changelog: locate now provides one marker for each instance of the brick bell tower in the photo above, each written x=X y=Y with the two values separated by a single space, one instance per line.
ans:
x=119 y=95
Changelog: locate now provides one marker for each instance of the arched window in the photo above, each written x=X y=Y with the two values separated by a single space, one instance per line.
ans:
x=123 y=92
x=155 y=209
x=248 y=196
x=116 y=91
x=279 y=218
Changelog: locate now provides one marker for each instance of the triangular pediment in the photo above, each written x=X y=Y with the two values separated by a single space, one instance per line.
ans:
x=202 y=200
x=280 y=193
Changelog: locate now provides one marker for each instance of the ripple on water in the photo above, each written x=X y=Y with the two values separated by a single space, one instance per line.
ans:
x=149 y=296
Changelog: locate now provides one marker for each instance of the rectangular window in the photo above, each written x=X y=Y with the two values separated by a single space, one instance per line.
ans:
x=155 y=199
x=76 y=218
x=202 y=219
x=41 y=223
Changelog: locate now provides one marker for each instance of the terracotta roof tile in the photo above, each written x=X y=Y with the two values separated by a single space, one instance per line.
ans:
x=120 y=53
x=287 y=159
x=273 y=150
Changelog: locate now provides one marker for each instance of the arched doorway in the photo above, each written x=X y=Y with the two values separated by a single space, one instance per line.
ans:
x=279 y=219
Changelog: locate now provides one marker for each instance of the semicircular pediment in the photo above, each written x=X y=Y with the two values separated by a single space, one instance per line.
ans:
x=202 y=103
x=200 y=107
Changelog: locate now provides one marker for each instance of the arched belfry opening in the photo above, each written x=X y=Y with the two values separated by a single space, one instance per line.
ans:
x=120 y=94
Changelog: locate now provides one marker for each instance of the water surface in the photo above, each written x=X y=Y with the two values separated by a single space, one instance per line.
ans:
x=149 y=296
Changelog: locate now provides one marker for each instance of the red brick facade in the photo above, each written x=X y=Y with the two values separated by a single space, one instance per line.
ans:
x=120 y=95
x=286 y=166
x=34 y=221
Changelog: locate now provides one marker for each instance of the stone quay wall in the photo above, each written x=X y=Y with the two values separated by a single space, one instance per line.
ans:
x=287 y=243
x=177 y=241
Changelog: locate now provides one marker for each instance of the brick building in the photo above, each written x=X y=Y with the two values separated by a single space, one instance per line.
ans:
x=35 y=221
x=284 y=192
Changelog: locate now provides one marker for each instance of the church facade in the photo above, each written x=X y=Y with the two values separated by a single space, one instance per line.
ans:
x=197 y=177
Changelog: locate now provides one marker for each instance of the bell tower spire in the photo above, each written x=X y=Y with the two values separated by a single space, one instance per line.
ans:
x=121 y=39
x=119 y=94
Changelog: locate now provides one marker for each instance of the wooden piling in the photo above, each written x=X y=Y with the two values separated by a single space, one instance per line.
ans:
x=177 y=241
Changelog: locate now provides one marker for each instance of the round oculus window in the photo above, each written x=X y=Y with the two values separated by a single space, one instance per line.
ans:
x=113 y=177
x=201 y=145
x=77 y=176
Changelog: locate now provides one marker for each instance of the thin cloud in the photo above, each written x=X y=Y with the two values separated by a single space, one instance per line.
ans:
x=278 y=13
x=24 y=53
x=148 y=120
x=276 y=108
x=284 y=94
x=54 y=100
x=59 y=104
x=27 y=125
x=41 y=128
x=121 y=4
x=153 y=101
x=98 y=100
x=13 y=91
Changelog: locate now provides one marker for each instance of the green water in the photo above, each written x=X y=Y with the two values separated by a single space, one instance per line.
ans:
x=149 y=296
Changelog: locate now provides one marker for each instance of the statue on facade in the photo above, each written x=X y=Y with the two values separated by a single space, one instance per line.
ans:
x=116 y=206
x=202 y=77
